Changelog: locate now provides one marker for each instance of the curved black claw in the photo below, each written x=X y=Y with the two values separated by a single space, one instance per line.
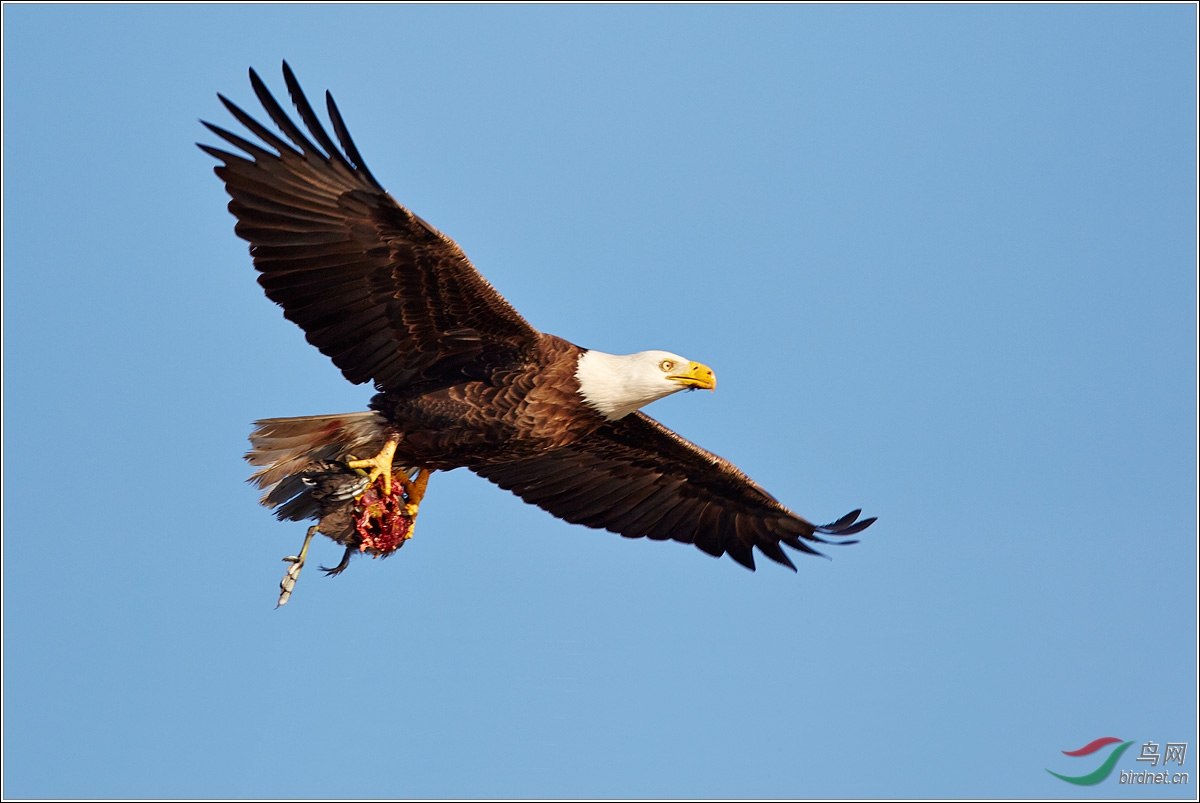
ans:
x=341 y=567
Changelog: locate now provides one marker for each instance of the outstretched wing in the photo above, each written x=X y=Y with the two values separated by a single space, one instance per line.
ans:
x=638 y=478
x=385 y=295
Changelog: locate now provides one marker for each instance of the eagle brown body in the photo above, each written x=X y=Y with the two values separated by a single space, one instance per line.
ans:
x=463 y=380
x=518 y=410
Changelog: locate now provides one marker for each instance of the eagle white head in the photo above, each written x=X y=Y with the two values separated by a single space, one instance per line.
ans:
x=616 y=385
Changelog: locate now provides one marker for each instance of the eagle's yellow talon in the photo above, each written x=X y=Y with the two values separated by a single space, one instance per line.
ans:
x=380 y=465
x=414 y=490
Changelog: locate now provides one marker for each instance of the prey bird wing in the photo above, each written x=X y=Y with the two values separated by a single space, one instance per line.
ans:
x=385 y=295
x=637 y=478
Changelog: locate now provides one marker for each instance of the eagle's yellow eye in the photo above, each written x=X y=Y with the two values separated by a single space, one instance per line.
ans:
x=666 y=365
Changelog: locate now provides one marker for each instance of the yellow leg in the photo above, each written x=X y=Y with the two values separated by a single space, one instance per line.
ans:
x=293 y=573
x=380 y=465
x=414 y=490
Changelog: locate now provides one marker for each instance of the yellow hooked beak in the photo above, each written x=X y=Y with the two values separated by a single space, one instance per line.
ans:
x=696 y=376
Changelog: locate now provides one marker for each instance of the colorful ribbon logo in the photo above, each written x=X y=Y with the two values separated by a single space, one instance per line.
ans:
x=1101 y=772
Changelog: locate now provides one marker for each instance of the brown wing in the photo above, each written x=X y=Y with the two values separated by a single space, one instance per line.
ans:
x=381 y=292
x=638 y=478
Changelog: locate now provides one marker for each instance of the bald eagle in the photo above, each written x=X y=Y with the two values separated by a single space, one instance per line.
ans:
x=463 y=380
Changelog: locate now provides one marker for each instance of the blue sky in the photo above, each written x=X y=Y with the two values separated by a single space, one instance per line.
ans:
x=942 y=260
